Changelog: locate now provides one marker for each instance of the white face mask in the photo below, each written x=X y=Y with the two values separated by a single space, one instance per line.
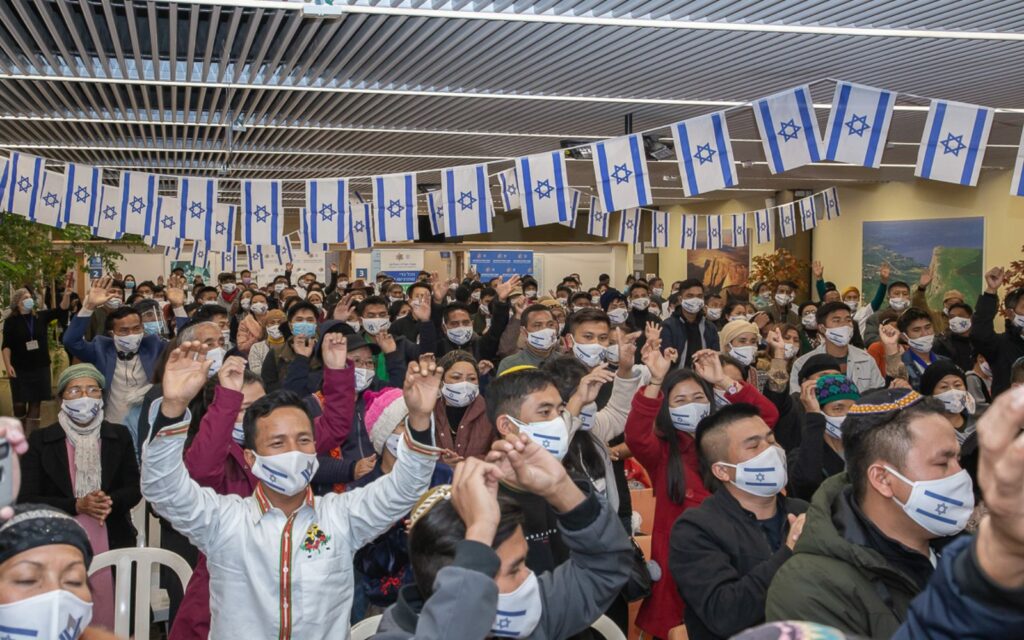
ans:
x=959 y=325
x=899 y=304
x=986 y=369
x=56 y=615
x=228 y=287
x=279 y=287
x=763 y=475
x=1018 y=321
x=657 y=291
x=791 y=350
x=355 y=324
x=519 y=611
x=685 y=417
x=783 y=299
x=215 y=355
x=611 y=354
x=713 y=313
x=942 y=507
x=641 y=304
x=113 y=303
x=460 y=394
x=129 y=343
x=373 y=326
x=587 y=413
x=552 y=434
x=343 y=284
x=246 y=303
x=391 y=444
x=286 y=473
x=475 y=295
x=839 y=336
x=459 y=335
x=922 y=344
x=363 y=378
x=589 y=354
x=834 y=426
x=82 y=410
x=618 y=316
x=238 y=433
x=259 y=308
x=744 y=355
x=274 y=331
x=694 y=305
x=957 y=401
x=810 y=321
x=541 y=340
x=852 y=305
x=595 y=300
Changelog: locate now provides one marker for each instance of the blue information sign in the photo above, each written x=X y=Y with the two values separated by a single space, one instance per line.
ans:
x=95 y=267
x=491 y=264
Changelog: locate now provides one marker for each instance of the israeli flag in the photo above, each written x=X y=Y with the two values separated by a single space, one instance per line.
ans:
x=620 y=167
x=789 y=130
x=308 y=246
x=509 y=189
x=165 y=224
x=787 y=219
x=1017 y=182
x=200 y=257
x=808 y=214
x=714 y=224
x=831 y=197
x=24 y=178
x=3 y=180
x=196 y=197
x=394 y=199
x=739 y=229
x=254 y=257
x=138 y=201
x=50 y=207
x=953 y=145
x=228 y=261
x=543 y=189
x=858 y=124
x=574 y=208
x=597 y=225
x=81 y=194
x=262 y=212
x=763 y=224
x=174 y=253
x=467 y=199
x=220 y=227
x=285 y=254
x=659 y=228
x=704 y=152
x=327 y=202
x=629 y=225
x=688 y=233
x=435 y=207
x=109 y=223
x=360 y=227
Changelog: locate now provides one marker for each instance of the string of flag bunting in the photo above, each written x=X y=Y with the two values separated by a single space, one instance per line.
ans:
x=952 y=148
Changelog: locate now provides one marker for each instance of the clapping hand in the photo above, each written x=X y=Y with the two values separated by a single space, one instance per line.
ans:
x=334 y=351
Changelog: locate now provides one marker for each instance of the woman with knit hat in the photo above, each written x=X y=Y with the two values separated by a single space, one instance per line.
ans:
x=740 y=340
x=86 y=467
x=945 y=381
x=826 y=402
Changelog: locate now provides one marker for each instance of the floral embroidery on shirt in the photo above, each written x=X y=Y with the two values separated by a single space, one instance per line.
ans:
x=315 y=540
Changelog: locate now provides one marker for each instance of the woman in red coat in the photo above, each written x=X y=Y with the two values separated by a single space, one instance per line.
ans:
x=659 y=433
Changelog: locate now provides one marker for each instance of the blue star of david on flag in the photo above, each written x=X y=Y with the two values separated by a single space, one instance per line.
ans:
x=261 y=213
x=788 y=128
x=621 y=173
x=24 y=184
x=138 y=205
x=705 y=153
x=109 y=212
x=543 y=189
x=81 y=194
x=395 y=208
x=466 y=201
x=196 y=210
x=221 y=227
x=51 y=199
x=953 y=143
x=858 y=124
x=327 y=213
x=167 y=222
x=359 y=226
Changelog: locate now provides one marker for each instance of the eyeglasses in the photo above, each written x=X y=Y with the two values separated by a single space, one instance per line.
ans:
x=73 y=393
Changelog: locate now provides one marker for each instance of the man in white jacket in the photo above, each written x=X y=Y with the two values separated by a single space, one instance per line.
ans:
x=281 y=560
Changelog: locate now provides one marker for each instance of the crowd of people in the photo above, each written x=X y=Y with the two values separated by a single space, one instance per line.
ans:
x=458 y=456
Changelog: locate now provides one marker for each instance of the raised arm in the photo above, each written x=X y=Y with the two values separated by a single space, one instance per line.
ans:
x=339 y=388
x=645 y=446
x=74 y=337
x=207 y=456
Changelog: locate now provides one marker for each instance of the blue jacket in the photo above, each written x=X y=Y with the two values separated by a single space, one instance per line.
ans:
x=961 y=602
x=673 y=334
x=913 y=372
x=102 y=353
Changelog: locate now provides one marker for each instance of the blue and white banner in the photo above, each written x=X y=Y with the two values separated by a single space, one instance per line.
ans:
x=808 y=213
x=831 y=197
x=262 y=212
x=285 y=253
x=254 y=257
x=327 y=204
x=543 y=188
x=739 y=230
x=704 y=152
x=174 y=253
x=659 y=228
x=220 y=227
x=435 y=211
x=620 y=167
x=714 y=224
x=858 y=124
x=360 y=234
x=24 y=178
x=200 y=257
x=688 y=233
x=138 y=202
x=81 y=194
x=954 y=141
x=789 y=130
x=196 y=198
x=1017 y=181
x=574 y=209
x=228 y=261
x=50 y=207
x=597 y=224
x=109 y=219
x=629 y=225
x=394 y=202
x=165 y=223
x=308 y=246
x=509 y=185
x=467 y=199
x=787 y=219
x=764 y=225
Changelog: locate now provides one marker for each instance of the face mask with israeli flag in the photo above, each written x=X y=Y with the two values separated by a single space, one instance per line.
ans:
x=518 y=612
x=953 y=143
x=620 y=168
x=704 y=151
x=552 y=434
x=788 y=128
x=763 y=475
x=286 y=473
x=57 y=614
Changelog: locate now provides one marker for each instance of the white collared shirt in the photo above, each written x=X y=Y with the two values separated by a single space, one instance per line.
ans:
x=272 y=575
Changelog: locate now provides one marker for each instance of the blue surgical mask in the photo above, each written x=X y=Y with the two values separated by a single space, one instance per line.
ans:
x=304 y=329
x=152 y=328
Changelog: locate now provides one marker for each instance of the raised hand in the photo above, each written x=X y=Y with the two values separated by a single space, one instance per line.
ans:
x=884 y=272
x=343 y=309
x=627 y=348
x=69 y=280
x=184 y=377
x=386 y=342
x=232 y=373
x=590 y=385
x=334 y=351
x=422 y=384
x=775 y=343
x=288 y=267
x=994 y=278
x=761 y=319
x=809 y=396
x=652 y=331
x=439 y=287
x=175 y=291
x=504 y=287
x=659 y=363
x=519 y=305
x=420 y=310
x=817 y=269
x=99 y=293
x=532 y=468
x=303 y=346
x=334 y=268
x=475 y=498
x=485 y=367
x=925 y=279
x=889 y=336
x=708 y=366
x=364 y=466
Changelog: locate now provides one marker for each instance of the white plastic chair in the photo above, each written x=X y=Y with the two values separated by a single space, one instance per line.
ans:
x=145 y=560
x=364 y=628
x=608 y=629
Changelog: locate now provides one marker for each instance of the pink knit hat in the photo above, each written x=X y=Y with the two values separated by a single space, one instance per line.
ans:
x=384 y=410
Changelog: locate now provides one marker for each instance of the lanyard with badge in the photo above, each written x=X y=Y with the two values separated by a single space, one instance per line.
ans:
x=31 y=344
